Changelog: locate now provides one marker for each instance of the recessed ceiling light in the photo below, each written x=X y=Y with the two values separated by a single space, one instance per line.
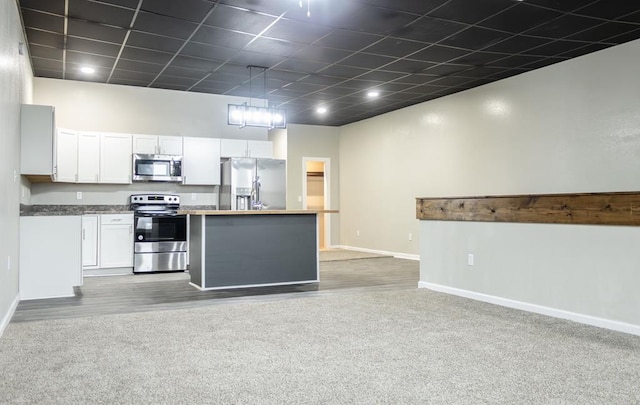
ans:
x=373 y=93
x=88 y=70
x=321 y=110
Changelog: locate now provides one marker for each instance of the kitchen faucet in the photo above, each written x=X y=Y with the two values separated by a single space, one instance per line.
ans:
x=256 y=204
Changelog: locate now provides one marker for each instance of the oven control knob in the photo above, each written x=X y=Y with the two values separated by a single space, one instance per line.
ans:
x=140 y=237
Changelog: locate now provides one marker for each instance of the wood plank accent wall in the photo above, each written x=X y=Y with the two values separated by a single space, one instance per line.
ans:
x=620 y=208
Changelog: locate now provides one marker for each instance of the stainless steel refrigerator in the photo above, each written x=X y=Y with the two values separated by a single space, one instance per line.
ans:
x=253 y=184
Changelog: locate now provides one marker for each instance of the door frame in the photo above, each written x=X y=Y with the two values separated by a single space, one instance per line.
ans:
x=327 y=192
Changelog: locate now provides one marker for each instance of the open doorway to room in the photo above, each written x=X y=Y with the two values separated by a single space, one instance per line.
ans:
x=315 y=187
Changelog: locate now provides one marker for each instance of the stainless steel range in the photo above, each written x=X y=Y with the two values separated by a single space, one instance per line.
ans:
x=160 y=240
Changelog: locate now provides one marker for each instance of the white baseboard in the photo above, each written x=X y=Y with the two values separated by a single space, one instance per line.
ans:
x=397 y=255
x=538 y=309
x=7 y=317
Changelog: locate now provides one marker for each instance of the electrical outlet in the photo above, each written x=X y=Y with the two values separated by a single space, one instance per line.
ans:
x=15 y=176
x=410 y=236
x=8 y=262
x=470 y=259
x=358 y=232
x=193 y=196
x=79 y=195
x=299 y=198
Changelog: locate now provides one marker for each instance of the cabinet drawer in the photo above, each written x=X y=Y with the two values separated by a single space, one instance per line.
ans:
x=116 y=219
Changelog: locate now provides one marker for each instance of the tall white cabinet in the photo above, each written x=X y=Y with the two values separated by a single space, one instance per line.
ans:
x=88 y=157
x=115 y=158
x=201 y=161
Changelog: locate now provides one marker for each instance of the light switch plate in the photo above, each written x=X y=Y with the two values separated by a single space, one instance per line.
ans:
x=79 y=195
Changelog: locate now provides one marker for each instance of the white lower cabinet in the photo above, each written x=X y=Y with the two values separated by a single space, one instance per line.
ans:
x=116 y=240
x=90 y=227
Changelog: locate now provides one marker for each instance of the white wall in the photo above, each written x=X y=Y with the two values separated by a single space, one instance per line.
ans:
x=15 y=89
x=317 y=142
x=569 y=127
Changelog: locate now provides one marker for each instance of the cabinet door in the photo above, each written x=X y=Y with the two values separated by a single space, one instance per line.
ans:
x=201 y=161
x=66 y=167
x=89 y=241
x=145 y=144
x=115 y=158
x=260 y=149
x=116 y=241
x=233 y=148
x=170 y=145
x=88 y=157
x=37 y=136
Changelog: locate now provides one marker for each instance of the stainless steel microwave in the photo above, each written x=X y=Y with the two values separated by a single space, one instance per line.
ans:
x=148 y=167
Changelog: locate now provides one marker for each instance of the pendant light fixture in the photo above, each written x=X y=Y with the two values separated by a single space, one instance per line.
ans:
x=244 y=114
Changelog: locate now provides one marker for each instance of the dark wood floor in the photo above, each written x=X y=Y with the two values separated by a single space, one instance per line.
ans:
x=151 y=292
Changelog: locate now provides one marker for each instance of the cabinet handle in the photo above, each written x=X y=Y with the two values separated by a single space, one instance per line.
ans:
x=130 y=229
x=83 y=234
x=116 y=219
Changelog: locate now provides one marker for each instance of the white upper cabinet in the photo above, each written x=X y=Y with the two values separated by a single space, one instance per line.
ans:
x=245 y=148
x=66 y=156
x=157 y=144
x=115 y=158
x=37 y=139
x=88 y=157
x=201 y=161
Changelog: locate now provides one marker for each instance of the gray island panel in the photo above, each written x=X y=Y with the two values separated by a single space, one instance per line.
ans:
x=251 y=250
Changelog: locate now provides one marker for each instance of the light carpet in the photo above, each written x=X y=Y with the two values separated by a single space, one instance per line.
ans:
x=389 y=347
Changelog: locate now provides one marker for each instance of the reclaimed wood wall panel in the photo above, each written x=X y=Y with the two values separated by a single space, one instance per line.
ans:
x=620 y=208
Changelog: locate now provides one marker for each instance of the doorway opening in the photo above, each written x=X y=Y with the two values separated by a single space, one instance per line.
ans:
x=315 y=188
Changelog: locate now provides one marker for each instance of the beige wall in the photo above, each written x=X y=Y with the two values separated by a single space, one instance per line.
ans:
x=317 y=142
x=569 y=127
x=15 y=89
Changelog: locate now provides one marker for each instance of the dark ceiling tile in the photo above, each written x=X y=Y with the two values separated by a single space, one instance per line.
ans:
x=51 y=74
x=343 y=71
x=408 y=66
x=179 y=71
x=475 y=38
x=604 y=32
x=227 y=78
x=322 y=80
x=192 y=10
x=45 y=38
x=94 y=47
x=195 y=63
x=212 y=87
x=429 y=30
x=470 y=12
x=145 y=55
x=412 y=6
x=608 y=9
x=367 y=61
x=274 y=47
x=519 y=18
x=83 y=29
x=543 y=62
x=98 y=12
x=74 y=73
x=90 y=60
x=337 y=91
x=136 y=66
x=272 y=7
x=382 y=75
x=515 y=61
x=43 y=21
x=516 y=44
x=131 y=4
x=239 y=20
x=554 y=48
x=55 y=7
x=378 y=20
x=584 y=50
x=321 y=54
x=155 y=42
x=349 y=40
x=397 y=87
x=635 y=17
x=303 y=87
x=221 y=37
x=45 y=52
x=621 y=39
x=437 y=53
x=163 y=25
x=199 y=50
x=481 y=71
x=359 y=84
x=257 y=59
x=560 y=5
x=417 y=79
x=170 y=86
x=563 y=26
x=395 y=47
x=127 y=82
x=447 y=69
x=449 y=81
x=301 y=65
x=478 y=58
x=504 y=74
x=47 y=64
x=141 y=77
x=174 y=80
x=298 y=31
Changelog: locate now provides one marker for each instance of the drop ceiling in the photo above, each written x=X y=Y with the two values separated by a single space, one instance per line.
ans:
x=327 y=53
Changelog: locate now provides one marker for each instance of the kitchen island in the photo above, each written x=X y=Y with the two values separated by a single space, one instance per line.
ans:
x=236 y=249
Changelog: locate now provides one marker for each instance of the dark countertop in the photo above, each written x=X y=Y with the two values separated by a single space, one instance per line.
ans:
x=51 y=210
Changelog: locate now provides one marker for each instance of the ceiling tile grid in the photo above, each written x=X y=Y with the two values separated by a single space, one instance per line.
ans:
x=329 y=53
